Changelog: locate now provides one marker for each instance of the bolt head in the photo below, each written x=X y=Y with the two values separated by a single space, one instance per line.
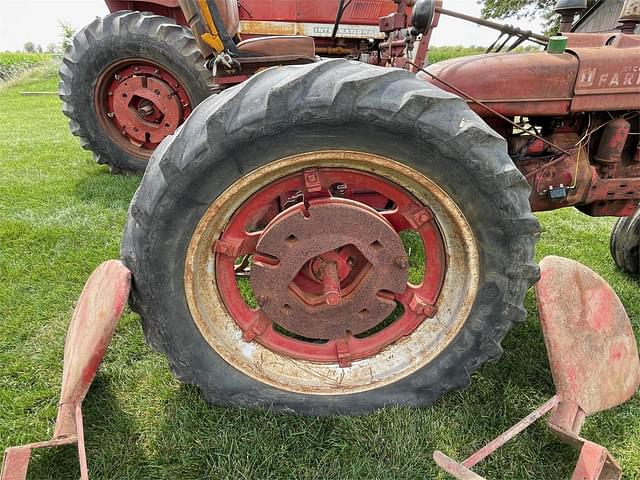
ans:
x=418 y=306
x=401 y=263
x=332 y=299
x=261 y=300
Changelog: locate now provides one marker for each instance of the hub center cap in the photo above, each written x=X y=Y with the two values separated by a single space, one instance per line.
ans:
x=328 y=270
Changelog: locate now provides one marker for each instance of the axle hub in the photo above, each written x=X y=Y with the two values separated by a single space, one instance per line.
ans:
x=140 y=104
x=136 y=99
x=328 y=270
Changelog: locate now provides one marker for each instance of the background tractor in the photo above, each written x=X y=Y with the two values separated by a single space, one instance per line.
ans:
x=132 y=77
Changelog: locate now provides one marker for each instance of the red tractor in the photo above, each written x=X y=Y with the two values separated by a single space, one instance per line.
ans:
x=337 y=236
x=146 y=50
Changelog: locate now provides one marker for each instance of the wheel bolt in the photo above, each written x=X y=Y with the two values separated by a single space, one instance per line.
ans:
x=145 y=110
x=331 y=284
x=401 y=263
x=261 y=300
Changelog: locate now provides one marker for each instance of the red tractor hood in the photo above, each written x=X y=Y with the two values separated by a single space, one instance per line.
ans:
x=598 y=72
x=513 y=84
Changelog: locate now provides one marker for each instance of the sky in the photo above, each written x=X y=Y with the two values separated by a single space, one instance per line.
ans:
x=36 y=21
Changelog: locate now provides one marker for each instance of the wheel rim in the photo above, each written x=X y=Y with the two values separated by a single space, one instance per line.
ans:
x=321 y=320
x=139 y=103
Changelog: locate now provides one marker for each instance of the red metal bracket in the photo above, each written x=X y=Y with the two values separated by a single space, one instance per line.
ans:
x=343 y=351
x=312 y=181
x=257 y=328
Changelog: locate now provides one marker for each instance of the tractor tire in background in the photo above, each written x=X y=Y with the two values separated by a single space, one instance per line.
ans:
x=308 y=174
x=127 y=81
x=625 y=243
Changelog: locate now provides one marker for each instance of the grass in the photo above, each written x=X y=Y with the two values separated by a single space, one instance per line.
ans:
x=61 y=215
x=13 y=64
x=438 y=54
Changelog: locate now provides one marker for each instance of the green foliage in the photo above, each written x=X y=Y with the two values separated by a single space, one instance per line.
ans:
x=66 y=34
x=516 y=8
x=438 y=54
x=13 y=64
x=525 y=9
x=61 y=214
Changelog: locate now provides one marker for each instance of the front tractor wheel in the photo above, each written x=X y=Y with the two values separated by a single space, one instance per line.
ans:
x=128 y=81
x=330 y=238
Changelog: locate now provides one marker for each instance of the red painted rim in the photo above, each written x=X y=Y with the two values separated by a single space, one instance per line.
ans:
x=393 y=204
x=139 y=103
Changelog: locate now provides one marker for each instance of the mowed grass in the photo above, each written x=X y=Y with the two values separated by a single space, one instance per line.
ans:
x=61 y=215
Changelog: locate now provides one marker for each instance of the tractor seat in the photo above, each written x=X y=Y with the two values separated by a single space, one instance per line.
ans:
x=215 y=25
x=279 y=46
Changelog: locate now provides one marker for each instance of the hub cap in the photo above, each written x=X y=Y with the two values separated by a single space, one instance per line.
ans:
x=355 y=265
x=140 y=104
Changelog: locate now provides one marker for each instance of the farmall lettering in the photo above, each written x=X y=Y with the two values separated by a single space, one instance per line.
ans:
x=628 y=76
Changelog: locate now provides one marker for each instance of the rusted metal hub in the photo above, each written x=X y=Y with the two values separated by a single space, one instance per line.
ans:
x=329 y=271
x=137 y=98
x=141 y=104
x=356 y=258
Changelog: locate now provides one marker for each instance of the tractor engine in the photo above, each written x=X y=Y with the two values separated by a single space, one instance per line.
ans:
x=570 y=118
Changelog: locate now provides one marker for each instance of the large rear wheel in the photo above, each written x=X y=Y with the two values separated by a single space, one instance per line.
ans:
x=330 y=238
x=128 y=81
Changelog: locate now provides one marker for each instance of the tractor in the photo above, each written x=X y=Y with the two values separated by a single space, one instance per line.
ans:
x=339 y=235
x=147 y=50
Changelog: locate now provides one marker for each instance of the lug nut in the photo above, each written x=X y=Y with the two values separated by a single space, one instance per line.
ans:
x=401 y=263
x=261 y=300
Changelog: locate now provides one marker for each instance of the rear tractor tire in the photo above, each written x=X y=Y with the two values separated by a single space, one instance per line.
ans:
x=625 y=243
x=127 y=81
x=330 y=238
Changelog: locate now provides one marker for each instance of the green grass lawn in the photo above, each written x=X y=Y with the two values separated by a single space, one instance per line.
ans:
x=61 y=215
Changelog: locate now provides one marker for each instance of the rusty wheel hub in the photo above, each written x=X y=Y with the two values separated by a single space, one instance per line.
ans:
x=140 y=104
x=355 y=265
x=319 y=235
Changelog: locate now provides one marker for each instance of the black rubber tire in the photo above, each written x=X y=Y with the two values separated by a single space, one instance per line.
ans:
x=625 y=243
x=116 y=37
x=331 y=104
